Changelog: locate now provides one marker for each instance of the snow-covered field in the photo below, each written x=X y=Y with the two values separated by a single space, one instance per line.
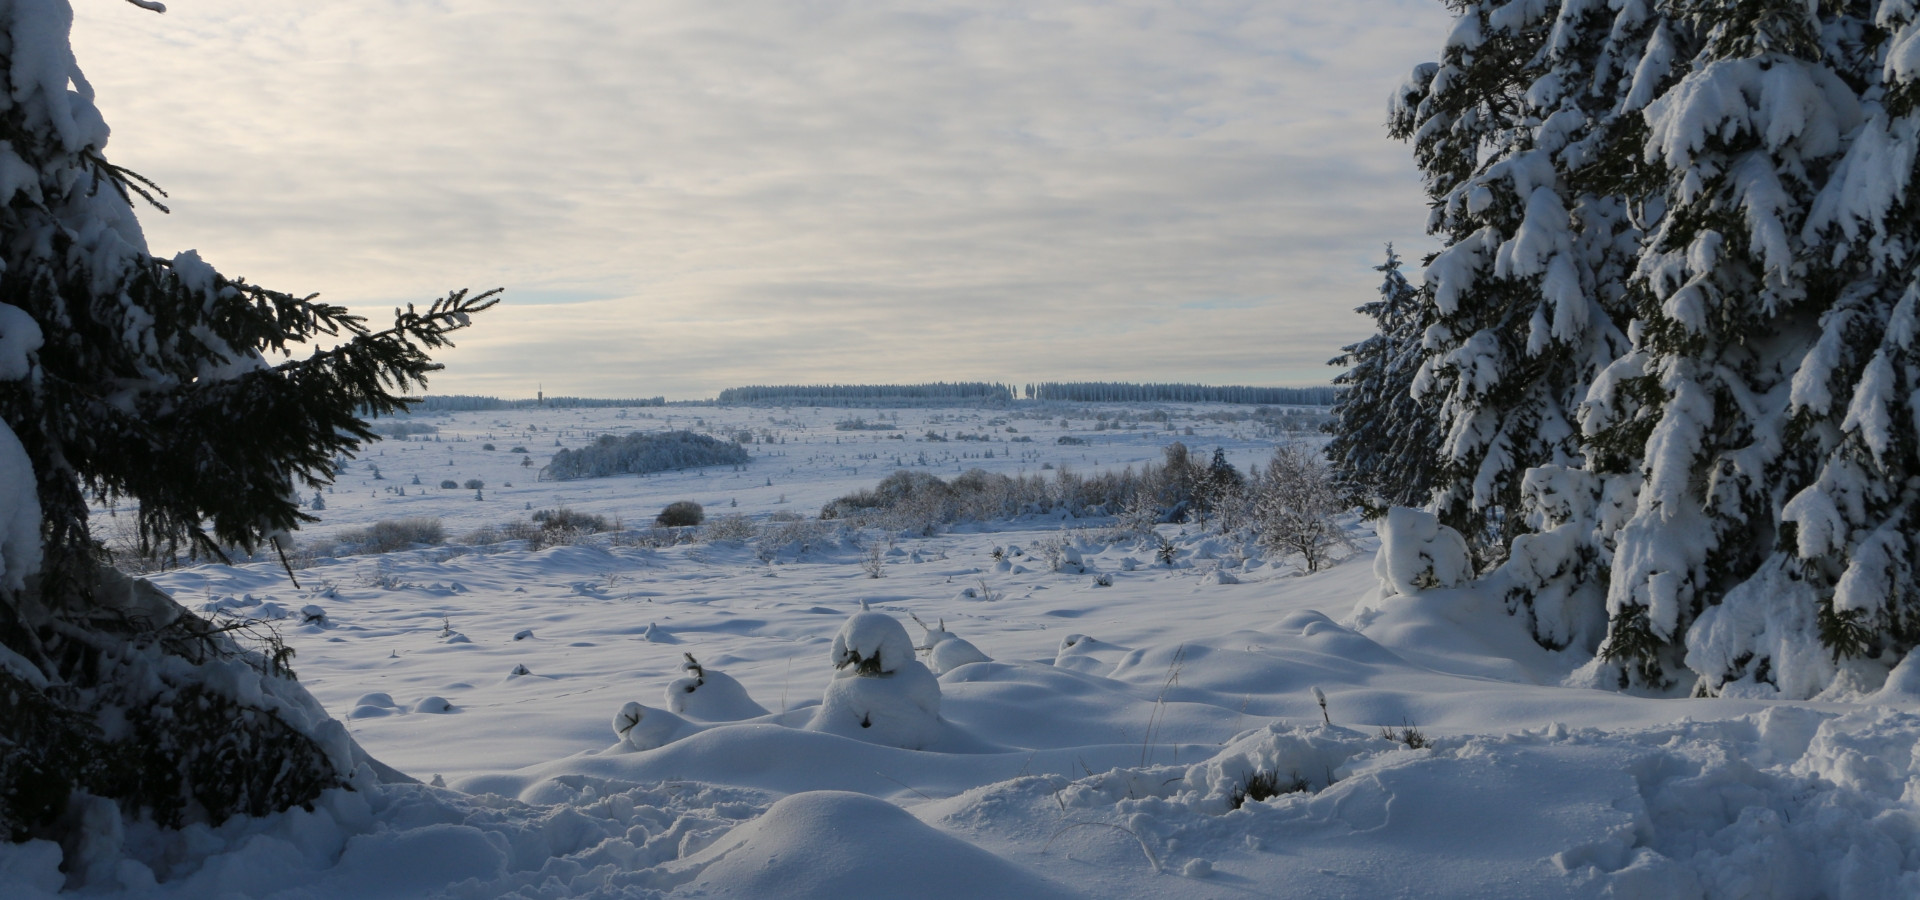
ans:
x=1098 y=751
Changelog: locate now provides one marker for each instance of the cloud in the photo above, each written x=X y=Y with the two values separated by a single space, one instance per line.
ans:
x=680 y=196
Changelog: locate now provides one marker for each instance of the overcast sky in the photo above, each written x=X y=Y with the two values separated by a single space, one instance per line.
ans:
x=685 y=195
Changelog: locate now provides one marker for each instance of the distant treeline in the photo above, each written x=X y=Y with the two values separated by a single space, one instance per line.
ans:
x=936 y=394
x=638 y=454
x=432 y=403
x=1122 y=392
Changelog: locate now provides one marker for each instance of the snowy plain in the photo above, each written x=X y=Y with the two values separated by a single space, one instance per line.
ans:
x=1098 y=751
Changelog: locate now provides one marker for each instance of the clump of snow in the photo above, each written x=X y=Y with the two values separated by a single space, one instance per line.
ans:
x=32 y=866
x=710 y=695
x=374 y=705
x=1219 y=576
x=945 y=651
x=1418 y=553
x=19 y=513
x=642 y=727
x=19 y=336
x=872 y=643
x=1315 y=755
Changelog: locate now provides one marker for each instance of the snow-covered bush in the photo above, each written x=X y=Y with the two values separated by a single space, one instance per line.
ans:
x=710 y=695
x=1682 y=256
x=641 y=727
x=732 y=527
x=388 y=535
x=945 y=651
x=638 y=454
x=879 y=693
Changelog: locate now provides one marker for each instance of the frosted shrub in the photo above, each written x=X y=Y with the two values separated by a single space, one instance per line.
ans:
x=1296 y=503
x=733 y=527
x=946 y=651
x=389 y=535
x=879 y=693
x=710 y=695
x=641 y=727
x=636 y=454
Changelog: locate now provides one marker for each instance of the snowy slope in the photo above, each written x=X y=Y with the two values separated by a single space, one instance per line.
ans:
x=1097 y=753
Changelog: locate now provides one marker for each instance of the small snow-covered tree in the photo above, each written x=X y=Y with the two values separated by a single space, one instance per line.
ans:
x=1296 y=502
x=1682 y=280
x=129 y=377
x=879 y=693
x=1220 y=490
x=1385 y=440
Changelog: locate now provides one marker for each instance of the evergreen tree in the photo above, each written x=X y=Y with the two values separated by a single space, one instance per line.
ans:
x=1219 y=491
x=130 y=377
x=1698 y=215
x=1385 y=440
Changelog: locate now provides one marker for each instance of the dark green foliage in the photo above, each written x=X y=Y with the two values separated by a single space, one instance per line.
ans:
x=1266 y=785
x=638 y=454
x=187 y=752
x=566 y=519
x=1219 y=490
x=680 y=514
x=1386 y=442
x=1412 y=737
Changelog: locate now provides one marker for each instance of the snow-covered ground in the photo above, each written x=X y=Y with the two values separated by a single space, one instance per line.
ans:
x=1099 y=751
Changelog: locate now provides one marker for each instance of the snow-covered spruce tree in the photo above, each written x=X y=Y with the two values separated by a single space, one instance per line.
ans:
x=1528 y=295
x=1385 y=441
x=131 y=378
x=1734 y=182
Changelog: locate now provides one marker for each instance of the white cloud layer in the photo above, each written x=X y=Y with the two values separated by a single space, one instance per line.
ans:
x=683 y=195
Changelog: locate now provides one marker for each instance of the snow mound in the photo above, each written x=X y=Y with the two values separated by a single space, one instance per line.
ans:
x=1418 y=553
x=710 y=695
x=946 y=651
x=641 y=727
x=832 y=845
x=899 y=708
